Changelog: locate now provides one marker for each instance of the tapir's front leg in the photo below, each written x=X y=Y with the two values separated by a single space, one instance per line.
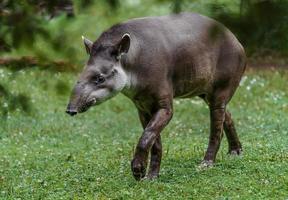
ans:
x=152 y=131
x=155 y=159
x=156 y=149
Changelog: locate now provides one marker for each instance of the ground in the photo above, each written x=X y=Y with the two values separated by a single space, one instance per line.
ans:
x=46 y=154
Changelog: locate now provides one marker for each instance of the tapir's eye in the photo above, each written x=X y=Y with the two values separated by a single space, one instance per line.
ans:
x=98 y=79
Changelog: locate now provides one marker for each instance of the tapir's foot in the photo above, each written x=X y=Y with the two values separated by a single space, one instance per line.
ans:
x=205 y=164
x=152 y=175
x=235 y=151
x=138 y=167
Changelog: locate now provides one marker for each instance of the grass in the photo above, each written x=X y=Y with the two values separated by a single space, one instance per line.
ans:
x=45 y=154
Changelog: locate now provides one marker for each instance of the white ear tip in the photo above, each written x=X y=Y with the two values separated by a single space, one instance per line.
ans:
x=126 y=34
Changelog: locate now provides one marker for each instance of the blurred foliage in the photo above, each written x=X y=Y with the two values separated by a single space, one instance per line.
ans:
x=261 y=26
x=114 y=4
x=21 y=21
x=11 y=102
x=175 y=5
x=61 y=88
x=47 y=34
x=38 y=28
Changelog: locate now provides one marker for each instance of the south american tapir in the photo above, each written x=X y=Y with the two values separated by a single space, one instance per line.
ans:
x=153 y=60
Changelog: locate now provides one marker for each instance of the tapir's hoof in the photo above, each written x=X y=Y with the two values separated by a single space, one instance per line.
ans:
x=205 y=164
x=152 y=176
x=235 y=152
x=138 y=169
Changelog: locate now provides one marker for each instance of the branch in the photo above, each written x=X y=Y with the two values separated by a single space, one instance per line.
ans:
x=17 y=64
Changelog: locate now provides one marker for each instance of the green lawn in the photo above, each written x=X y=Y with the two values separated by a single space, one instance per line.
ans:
x=46 y=154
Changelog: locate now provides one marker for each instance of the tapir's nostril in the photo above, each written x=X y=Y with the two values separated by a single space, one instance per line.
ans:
x=71 y=112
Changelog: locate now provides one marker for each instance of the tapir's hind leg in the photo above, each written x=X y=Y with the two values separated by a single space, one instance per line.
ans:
x=220 y=119
x=235 y=147
x=222 y=92
x=217 y=117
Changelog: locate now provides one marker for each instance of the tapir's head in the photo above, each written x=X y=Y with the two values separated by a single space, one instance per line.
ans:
x=103 y=76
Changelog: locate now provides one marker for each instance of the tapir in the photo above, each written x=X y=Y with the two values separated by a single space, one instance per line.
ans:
x=153 y=60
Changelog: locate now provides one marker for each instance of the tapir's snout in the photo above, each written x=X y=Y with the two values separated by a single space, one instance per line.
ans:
x=70 y=110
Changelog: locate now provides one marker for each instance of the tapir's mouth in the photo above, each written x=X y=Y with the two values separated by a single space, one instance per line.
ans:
x=87 y=105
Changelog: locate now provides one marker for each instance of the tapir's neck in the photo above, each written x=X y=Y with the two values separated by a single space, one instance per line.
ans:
x=127 y=81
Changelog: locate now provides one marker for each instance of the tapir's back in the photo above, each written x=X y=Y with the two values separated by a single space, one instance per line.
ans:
x=186 y=46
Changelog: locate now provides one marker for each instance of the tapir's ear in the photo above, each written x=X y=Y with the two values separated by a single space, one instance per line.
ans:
x=124 y=44
x=88 y=44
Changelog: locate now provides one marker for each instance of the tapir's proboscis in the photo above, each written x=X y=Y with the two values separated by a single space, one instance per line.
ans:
x=152 y=60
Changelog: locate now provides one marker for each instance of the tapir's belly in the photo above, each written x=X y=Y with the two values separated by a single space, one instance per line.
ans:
x=193 y=80
x=186 y=88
